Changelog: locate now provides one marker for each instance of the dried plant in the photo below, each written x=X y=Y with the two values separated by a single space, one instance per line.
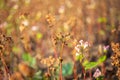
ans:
x=50 y=61
x=50 y=20
x=52 y=65
x=61 y=38
x=116 y=57
x=81 y=50
x=5 y=49
x=43 y=27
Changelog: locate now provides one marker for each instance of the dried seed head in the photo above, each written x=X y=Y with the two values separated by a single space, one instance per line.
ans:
x=61 y=38
x=5 y=43
x=50 y=20
x=116 y=57
x=50 y=61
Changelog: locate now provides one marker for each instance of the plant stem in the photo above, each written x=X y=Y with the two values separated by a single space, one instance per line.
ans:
x=103 y=70
x=55 y=53
x=5 y=66
x=61 y=50
x=84 y=73
x=49 y=75
x=74 y=69
x=83 y=69
x=75 y=72
x=60 y=76
x=90 y=73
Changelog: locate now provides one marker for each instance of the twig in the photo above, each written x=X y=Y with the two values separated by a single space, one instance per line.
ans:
x=5 y=66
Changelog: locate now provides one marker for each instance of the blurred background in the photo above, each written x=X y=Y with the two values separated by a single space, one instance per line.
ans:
x=33 y=24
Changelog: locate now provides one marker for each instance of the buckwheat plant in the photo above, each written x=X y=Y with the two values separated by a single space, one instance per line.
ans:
x=61 y=39
x=51 y=64
x=81 y=50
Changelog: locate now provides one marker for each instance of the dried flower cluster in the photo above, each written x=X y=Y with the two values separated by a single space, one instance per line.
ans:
x=116 y=57
x=5 y=49
x=5 y=43
x=62 y=38
x=23 y=21
x=50 y=61
x=50 y=20
x=52 y=64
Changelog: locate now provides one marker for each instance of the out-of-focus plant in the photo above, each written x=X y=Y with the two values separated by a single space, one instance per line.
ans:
x=26 y=70
x=102 y=19
x=28 y=58
x=59 y=39
x=116 y=57
x=38 y=75
x=52 y=65
x=67 y=69
x=2 y=3
x=5 y=51
x=81 y=49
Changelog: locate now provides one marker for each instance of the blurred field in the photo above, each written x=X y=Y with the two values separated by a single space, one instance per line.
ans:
x=38 y=39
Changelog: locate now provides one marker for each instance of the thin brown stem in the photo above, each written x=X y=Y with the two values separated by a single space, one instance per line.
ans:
x=103 y=70
x=75 y=71
x=61 y=50
x=90 y=74
x=60 y=76
x=55 y=53
x=84 y=73
x=74 y=68
x=5 y=66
